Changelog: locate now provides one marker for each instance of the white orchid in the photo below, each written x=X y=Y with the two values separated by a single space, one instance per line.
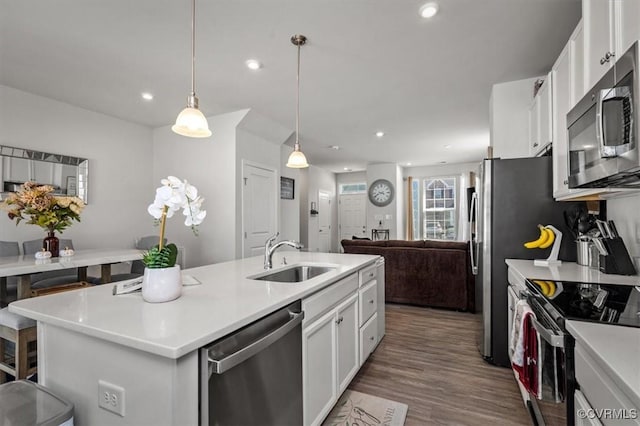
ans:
x=173 y=195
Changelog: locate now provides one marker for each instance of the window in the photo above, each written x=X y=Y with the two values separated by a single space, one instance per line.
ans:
x=435 y=208
x=353 y=188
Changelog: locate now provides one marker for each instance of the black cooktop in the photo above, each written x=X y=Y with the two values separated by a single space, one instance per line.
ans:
x=605 y=303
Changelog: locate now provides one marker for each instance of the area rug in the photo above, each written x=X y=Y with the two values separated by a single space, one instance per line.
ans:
x=359 y=409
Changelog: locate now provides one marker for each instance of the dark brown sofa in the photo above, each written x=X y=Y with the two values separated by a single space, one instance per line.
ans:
x=425 y=273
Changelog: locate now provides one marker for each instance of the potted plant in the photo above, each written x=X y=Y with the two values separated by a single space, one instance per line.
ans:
x=39 y=206
x=162 y=280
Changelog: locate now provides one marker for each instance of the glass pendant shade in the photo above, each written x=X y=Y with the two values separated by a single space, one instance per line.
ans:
x=192 y=123
x=297 y=160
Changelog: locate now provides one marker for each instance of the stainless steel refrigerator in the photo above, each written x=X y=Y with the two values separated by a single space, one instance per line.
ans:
x=512 y=197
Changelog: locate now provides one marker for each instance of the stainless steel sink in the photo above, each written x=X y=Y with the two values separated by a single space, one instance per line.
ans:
x=294 y=274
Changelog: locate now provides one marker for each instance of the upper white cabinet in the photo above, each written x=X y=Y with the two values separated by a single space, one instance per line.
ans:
x=568 y=88
x=540 y=118
x=610 y=27
x=509 y=114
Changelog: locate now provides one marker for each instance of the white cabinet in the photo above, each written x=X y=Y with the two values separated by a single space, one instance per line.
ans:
x=347 y=342
x=540 y=118
x=611 y=26
x=330 y=358
x=584 y=411
x=319 y=378
x=600 y=392
x=561 y=72
x=577 y=72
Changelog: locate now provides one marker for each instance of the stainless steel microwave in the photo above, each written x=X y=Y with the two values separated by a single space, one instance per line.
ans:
x=603 y=128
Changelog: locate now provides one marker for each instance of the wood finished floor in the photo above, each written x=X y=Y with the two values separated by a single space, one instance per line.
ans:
x=428 y=360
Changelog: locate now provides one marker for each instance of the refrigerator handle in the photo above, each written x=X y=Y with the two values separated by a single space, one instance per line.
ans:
x=473 y=242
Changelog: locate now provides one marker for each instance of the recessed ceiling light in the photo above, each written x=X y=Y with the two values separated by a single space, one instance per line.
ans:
x=334 y=147
x=379 y=134
x=447 y=146
x=429 y=10
x=147 y=96
x=253 y=64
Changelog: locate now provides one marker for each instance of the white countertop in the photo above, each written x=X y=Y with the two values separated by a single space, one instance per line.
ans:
x=28 y=264
x=224 y=302
x=569 y=271
x=616 y=349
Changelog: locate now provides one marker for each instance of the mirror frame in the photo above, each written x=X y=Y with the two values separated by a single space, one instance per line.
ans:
x=29 y=154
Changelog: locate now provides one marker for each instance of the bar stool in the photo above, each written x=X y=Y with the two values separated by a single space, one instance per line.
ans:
x=21 y=332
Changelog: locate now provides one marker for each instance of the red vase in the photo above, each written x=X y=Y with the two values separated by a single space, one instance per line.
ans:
x=52 y=244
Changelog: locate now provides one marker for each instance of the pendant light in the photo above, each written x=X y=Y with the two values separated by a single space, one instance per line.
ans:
x=191 y=122
x=297 y=160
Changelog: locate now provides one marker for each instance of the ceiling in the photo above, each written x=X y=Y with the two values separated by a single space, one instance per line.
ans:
x=368 y=65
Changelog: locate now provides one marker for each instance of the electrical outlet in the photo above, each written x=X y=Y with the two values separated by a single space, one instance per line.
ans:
x=111 y=397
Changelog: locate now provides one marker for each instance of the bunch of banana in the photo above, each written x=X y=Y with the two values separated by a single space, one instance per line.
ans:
x=548 y=288
x=546 y=238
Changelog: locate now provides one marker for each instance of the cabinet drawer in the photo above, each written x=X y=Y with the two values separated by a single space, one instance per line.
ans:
x=368 y=338
x=367 y=274
x=599 y=389
x=326 y=299
x=368 y=301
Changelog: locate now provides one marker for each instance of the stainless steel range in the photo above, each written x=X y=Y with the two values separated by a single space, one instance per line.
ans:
x=554 y=302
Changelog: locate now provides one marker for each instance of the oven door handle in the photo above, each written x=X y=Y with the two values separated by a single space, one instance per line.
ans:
x=555 y=340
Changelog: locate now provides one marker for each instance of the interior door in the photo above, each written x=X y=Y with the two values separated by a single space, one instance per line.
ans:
x=353 y=216
x=324 y=221
x=259 y=207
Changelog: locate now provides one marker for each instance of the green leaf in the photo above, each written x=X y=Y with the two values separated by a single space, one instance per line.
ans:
x=165 y=258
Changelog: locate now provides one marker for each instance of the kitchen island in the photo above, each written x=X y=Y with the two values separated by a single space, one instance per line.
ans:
x=151 y=350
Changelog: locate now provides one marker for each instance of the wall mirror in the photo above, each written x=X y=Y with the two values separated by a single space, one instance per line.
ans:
x=68 y=175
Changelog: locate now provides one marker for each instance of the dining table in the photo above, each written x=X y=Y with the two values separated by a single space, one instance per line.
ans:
x=23 y=266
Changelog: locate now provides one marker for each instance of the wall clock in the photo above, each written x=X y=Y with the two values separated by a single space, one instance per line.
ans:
x=381 y=192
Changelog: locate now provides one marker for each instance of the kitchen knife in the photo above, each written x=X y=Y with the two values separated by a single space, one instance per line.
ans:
x=614 y=230
x=603 y=231
x=600 y=246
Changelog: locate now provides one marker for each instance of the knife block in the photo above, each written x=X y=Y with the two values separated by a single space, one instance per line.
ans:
x=618 y=261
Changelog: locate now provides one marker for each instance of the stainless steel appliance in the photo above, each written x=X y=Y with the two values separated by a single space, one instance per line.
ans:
x=603 y=129
x=562 y=300
x=254 y=376
x=512 y=197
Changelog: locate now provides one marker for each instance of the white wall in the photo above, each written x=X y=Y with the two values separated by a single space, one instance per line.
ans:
x=120 y=166
x=320 y=180
x=351 y=177
x=210 y=165
x=290 y=209
x=624 y=212
x=509 y=117
x=389 y=213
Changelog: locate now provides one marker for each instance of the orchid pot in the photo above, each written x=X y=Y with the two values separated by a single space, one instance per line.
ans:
x=162 y=281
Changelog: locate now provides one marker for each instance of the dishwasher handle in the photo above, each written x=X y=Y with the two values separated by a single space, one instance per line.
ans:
x=219 y=366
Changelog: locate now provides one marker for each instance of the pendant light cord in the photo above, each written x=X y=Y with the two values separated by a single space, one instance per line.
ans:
x=298 y=99
x=193 y=47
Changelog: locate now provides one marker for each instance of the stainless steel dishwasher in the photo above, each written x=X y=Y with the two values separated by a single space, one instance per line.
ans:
x=254 y=376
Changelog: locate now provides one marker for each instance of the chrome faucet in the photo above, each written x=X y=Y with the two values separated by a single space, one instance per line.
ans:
x=270 y=248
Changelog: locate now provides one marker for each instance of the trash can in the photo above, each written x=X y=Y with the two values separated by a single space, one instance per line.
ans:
x=27 y=403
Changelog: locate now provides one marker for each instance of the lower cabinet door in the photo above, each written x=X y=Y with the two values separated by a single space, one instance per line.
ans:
x=319 y=368
x=368 y=338
x=347 y=328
